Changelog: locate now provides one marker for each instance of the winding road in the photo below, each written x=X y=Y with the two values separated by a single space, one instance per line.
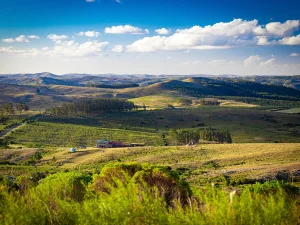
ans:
x=6 y=131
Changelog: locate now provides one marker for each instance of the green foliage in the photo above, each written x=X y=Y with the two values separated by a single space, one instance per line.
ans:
x=205 y=87
x=264 y=101
x=138 y=195
x=3 y=143
x=165 y=182
x=191 y=136
x=38 y=134
x=184 y=101
x=93 y=106
x=7 y=108
x=184 y=136
x=21 y=107
x=209 y=134
x=210 y=101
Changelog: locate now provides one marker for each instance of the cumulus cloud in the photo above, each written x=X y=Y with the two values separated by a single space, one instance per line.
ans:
x=278 y=29
x=294 y=54
x=294 y=40
x=255 y=60
x=89 y=34
x=8 y=40
x=33 y=37
x=220 y=35
x=55 y=37
x=69 y=49
x=158 y=43
x=163 y=31
x=45 y=48
x=118 y=48
x=21 y=38
x=252 y=60
x=9 y=49
x=263 y=41
x=268 y=62
x=72 y=49
x=217 y=62
x=190 y=63
x=127 y=29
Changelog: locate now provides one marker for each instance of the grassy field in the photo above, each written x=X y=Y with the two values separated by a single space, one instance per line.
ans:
x=232 y=103
x=156 y=101
x=58 y=134
x=246 y=126
x=7 y=121
x=197 y=164
x=164 y=100
x=294 y=110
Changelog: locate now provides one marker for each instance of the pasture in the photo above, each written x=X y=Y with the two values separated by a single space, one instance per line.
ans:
x=201 y=164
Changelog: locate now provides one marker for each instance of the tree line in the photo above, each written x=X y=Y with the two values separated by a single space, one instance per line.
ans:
x=9 y=108
x=209 y=101
x=264 y=101
x=112 y=86
x=92 y=106
x=189 y=136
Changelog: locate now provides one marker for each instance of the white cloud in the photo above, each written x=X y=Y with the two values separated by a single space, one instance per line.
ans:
x=268 y=62
x=8 y=40
x=72 y=49
x=9 y=49
x=263 y=41
x=294 y=54
x=89 y=34
x=190 y=63
x=55 y=37
x=118 y=1
x=21 y=38
x=220 y=35
x=118 y=48
x=281 y=29
x=294 y=40
x=252 y=61
x=163 y=31
x=127 y=29
x=32 y=52
x=255 y=60
x=33 y=37
x=90 y=0
x=158 y=43
x=63 y=49
x=218 y=62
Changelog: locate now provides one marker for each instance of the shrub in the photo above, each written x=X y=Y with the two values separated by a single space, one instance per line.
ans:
x=160 y=180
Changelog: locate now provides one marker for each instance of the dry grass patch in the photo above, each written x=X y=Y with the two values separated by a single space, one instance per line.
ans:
x=232 y=103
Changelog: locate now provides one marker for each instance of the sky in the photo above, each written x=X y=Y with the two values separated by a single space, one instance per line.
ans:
x=150 y=37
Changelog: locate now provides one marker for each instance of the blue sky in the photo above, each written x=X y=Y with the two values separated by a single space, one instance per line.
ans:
x=150 y=36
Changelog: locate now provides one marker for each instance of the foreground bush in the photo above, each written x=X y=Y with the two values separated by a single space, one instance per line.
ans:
x=144 y=194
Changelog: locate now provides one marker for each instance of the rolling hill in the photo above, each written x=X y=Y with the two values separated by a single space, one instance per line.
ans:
x=55 y=89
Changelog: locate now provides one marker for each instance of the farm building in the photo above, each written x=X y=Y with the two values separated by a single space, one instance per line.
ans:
x=108 y=144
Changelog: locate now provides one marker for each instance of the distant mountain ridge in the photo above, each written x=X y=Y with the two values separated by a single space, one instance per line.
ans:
x=42 y=90
x=46 y=78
